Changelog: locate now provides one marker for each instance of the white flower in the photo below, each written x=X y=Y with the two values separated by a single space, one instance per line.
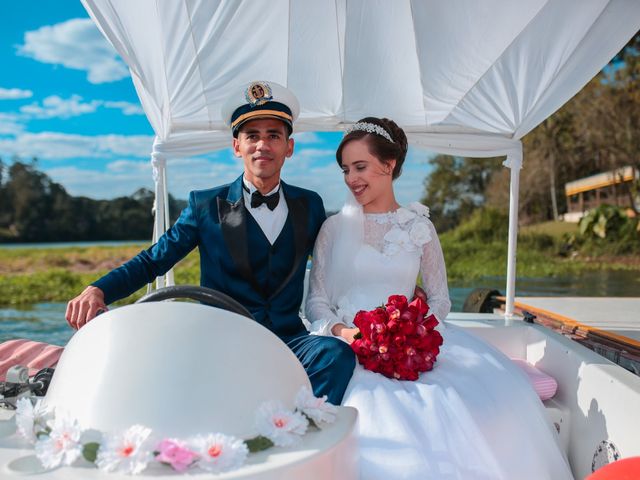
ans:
x=420 y=209
x=30 y=418
x=283 y=427
x=398 y=237
x=390 y=249
x=218 y=452
x=420 y=234
x=62 y=446
x=126 y=452
x=317 y=409
x=404 y=215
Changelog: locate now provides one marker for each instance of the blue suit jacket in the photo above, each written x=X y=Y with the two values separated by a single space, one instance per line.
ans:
x=215 y=220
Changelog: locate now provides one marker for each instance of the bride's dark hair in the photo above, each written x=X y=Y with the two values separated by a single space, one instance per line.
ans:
x=378 y=145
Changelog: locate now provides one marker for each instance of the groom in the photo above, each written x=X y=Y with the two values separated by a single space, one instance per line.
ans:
x=254 y=236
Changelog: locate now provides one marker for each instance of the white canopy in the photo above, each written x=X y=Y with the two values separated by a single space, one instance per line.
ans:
x=464 y=77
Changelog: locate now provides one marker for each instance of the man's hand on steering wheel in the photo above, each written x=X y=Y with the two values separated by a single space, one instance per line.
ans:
x=85 y=307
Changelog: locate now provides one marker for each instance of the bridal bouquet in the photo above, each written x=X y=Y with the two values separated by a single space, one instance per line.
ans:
x=398 y=339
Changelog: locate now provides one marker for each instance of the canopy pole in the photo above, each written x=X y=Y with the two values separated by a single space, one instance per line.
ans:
x=513 y=162
x=169 y=280
x=159 y=164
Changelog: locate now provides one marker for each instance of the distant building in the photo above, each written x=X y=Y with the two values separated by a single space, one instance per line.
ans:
x=589 y=192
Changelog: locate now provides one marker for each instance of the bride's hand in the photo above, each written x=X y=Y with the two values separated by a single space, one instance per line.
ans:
x=341 y=330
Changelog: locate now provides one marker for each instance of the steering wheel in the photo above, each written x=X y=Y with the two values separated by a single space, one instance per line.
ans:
x=206 y=295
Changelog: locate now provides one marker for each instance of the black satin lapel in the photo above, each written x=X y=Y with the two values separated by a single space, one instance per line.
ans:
x=299 y=217
x=234 y=232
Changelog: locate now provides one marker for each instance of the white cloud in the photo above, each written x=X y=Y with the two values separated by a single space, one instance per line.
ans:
x=75 y=44
x=10 y=124
x=127 y=108
x=304 y=138
x=14 y=93
x=125 y=176
x=306 y=155
x=56 y=107
x=133 y=145
x=103 y=184
x=55 y=145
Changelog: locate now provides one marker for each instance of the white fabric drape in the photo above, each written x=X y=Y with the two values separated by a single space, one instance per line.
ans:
x=496 y=66
x=462 y=76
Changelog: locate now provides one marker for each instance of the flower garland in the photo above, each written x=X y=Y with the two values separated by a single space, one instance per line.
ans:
x=57 y=438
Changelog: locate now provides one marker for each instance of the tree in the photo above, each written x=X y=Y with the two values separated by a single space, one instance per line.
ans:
x=614 y=109
x=34 y=208
x=456 y=187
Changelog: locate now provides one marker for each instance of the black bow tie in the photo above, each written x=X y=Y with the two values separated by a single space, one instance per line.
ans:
x=271 y=201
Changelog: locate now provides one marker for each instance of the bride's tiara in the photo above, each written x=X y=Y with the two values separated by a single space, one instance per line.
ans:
x=369 y=128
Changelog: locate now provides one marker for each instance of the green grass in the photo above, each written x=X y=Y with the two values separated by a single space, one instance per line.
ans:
x=551 y=228
x=30 y=276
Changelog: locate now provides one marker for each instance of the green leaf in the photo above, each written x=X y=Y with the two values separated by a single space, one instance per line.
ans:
x=90 y=451
x=259 y=443
x=600 y=228
x=312 y=422
x=357 y=336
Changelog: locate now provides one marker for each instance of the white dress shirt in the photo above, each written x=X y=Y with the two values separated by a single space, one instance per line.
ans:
x=271 y=222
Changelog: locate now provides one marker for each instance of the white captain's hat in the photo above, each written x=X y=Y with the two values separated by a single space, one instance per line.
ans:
x=260 y=99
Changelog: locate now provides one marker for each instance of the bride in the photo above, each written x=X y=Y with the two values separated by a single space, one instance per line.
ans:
x=474 y=416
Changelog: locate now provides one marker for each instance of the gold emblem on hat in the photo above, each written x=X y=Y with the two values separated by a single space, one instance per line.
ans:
x=258 y=93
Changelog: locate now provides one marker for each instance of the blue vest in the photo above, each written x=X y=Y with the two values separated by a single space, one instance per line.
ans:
x=270 y=265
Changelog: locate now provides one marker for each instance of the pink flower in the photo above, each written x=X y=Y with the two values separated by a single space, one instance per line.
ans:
x=176 y=454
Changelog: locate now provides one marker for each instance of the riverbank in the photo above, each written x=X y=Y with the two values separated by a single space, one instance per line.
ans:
x=30 y=276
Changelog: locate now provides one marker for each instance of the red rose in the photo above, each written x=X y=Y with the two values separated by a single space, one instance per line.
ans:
x=430 y=322
x=398 y=302
x=411 y=314
x=408 y=328
x=393 y=325
x=420 y=305
x=360 y=347
x=393 y=313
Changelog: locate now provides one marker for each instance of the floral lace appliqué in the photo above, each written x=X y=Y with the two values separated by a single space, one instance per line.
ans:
x=409 y=230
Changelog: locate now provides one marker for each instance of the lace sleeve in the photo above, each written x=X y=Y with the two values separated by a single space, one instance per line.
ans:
x=318 y=309
x=434 y=276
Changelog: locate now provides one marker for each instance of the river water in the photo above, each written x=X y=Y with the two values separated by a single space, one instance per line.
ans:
x=45 y=322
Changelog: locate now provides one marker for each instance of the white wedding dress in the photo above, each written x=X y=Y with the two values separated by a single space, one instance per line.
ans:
x=475 y=415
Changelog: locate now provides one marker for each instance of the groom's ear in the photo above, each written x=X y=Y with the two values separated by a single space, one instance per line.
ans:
x=290 y=146
x=235 y=145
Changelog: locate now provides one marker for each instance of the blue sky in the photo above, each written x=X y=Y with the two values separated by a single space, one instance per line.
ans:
x=67 y=98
